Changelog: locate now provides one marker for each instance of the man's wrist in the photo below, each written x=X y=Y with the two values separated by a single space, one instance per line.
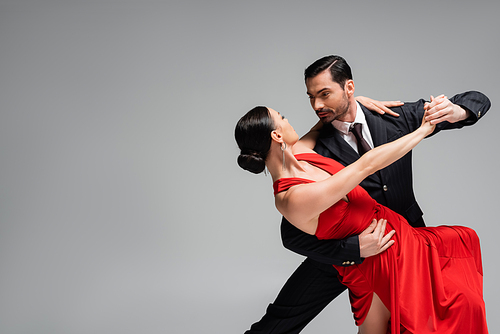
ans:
x=464 y=112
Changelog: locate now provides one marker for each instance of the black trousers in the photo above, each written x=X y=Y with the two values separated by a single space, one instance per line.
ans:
x=306 y=293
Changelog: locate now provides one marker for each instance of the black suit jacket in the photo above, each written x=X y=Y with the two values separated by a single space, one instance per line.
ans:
x=391 y=186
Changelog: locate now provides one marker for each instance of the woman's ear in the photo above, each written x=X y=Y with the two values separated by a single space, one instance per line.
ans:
x=276 y=136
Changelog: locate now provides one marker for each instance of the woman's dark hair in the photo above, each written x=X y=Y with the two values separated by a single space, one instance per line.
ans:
x=339 y=69
x=253 y=135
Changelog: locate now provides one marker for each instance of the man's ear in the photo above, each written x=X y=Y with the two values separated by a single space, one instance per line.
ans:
x=349 y=88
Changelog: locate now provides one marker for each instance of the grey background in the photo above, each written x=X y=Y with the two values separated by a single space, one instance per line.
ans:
x=122 y=209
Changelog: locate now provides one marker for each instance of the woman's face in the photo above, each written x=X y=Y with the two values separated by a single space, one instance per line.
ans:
x=284 y=128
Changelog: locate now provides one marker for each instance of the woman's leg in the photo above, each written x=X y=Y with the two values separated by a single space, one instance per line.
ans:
x=377 y=320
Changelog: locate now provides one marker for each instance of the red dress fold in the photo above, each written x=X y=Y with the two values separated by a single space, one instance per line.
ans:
x=431 y=279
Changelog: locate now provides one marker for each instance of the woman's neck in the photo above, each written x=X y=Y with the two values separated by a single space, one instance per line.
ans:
x=291 y=168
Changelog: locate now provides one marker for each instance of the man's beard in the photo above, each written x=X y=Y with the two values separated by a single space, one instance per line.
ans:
x=340 y=113
x=343 y=109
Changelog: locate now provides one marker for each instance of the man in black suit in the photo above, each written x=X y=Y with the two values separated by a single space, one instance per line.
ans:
x=331 y=90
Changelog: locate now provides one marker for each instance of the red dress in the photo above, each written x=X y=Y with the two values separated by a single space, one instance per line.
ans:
x=431 y=279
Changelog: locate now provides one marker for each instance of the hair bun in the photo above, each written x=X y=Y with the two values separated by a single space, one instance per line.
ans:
x=251 y=161
x=253 y=135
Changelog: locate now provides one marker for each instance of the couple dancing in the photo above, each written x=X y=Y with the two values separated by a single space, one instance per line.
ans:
x=426 y=280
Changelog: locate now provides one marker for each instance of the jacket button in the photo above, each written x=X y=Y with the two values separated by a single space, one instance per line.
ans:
x=353 y=263
x=385 y=187
x=478 y=114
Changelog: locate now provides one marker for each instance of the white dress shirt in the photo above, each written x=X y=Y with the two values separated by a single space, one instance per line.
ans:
x=348 y=136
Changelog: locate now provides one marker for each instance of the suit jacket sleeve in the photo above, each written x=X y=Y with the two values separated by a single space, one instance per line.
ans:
x=477 y=103
x=338 y=252
x=346 y=251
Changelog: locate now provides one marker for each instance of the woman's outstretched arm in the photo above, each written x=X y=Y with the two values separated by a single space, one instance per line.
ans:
x=302 y=204
x=382 y=107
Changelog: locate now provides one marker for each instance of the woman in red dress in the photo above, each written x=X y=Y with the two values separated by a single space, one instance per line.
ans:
x=429 y=281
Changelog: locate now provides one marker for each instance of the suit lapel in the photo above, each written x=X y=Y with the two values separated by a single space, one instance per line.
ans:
x=341 y=151
x=378 y=131
x=377 y=127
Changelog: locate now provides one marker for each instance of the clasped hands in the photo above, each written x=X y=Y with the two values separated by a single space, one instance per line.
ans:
x=440 y=109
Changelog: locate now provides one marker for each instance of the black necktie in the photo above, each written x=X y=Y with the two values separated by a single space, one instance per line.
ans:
x=363 y=146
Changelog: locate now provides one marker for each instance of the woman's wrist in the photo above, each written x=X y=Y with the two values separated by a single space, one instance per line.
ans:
x=424 y=131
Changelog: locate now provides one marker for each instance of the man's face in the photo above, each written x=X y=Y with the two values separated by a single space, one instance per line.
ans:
x=327 y=97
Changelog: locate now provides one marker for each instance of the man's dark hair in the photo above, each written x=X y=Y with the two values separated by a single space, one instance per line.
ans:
x=339 y=69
